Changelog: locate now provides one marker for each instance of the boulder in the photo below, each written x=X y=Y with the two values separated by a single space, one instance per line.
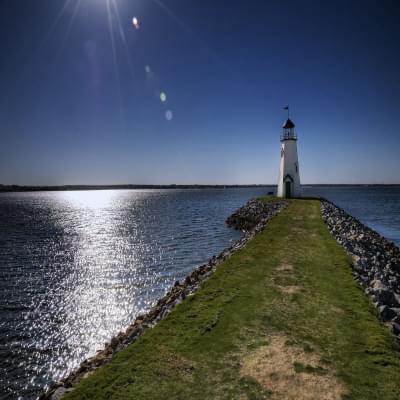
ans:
x=385 y=297
x=387 y=313
x=396 y=328
x=377 y=284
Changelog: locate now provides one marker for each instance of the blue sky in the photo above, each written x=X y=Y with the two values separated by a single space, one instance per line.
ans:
x=80 y=90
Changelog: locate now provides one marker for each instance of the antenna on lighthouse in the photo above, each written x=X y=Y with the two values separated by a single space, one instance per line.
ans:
x=287 y=108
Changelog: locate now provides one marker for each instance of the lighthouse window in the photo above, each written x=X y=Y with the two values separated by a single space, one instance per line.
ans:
x=297 y=168
x=282 y=152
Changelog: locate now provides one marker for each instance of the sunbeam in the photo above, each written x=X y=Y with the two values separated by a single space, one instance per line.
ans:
x=53 y=26
x=123 y=38
x=26 y=71
x=114 y=51
x=114 y=54
x=69 y=27
x=71 y=23
x=189 y=31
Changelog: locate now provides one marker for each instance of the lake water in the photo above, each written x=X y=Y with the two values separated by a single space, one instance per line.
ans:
x=77 y=267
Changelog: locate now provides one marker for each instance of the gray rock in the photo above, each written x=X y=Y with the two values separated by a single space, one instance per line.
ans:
x=60 y=393
x=385 y=297
x=396 y=328
x=387 y=313
x=377 y=284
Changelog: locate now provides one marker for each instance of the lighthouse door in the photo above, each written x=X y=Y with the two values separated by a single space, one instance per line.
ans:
x=288 y=193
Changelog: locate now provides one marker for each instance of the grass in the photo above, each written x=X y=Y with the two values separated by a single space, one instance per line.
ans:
x=198 y=350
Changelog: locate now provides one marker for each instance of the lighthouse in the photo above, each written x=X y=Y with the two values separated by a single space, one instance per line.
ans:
x=289 y=174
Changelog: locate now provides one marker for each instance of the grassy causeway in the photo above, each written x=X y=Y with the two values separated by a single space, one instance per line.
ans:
x=281 y=319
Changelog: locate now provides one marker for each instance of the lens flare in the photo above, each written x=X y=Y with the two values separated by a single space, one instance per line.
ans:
x=135 y=23
x=169 y=115
x=163 y=97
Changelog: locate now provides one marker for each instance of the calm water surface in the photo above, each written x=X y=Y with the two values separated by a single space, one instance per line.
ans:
x=77 y=267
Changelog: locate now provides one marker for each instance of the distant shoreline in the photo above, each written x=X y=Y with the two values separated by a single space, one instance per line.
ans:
x=21 y=188
x=17 y=188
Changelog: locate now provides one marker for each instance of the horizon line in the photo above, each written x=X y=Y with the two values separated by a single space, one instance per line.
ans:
x=30 y=188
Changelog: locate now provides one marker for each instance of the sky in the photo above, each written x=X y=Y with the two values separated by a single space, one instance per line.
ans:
x=192 y=92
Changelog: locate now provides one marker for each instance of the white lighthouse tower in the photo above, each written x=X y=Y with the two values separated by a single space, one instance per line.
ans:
x=289 y=175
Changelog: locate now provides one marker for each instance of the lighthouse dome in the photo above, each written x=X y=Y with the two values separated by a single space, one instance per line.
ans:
x=288 y=124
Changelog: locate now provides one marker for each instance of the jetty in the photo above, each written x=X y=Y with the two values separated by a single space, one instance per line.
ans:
x=286 y=313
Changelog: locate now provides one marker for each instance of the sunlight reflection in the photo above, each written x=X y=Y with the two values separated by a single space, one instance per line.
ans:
x=101 y=296
x=89 y=198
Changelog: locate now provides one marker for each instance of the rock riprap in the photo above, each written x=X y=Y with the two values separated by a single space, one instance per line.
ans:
x=376 y=261
x=252 y=218
x=254 y=212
